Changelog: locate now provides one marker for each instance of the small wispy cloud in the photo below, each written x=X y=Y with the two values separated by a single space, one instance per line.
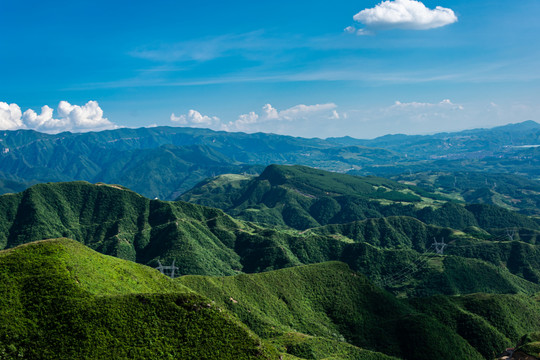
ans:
x=247 y=45
x=88 y=117
x=445 y=104
x=422 y=113
x=402 y=14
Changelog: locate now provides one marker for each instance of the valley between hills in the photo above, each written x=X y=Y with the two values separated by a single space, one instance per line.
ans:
x=400 y=247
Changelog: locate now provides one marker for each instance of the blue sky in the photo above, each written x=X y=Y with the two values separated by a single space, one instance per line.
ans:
x=302 y=68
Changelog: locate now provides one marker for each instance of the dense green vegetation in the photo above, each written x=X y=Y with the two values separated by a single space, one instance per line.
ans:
x=529 y=344
x=205 y=241
x=302 y=198
x=60 y=300
x=119 y=222
x=485 y=320
x=310 y=309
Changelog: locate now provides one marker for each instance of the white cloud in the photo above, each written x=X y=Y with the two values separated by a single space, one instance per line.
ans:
x=335 y=115
x=195 y=119
x=446 y=103
x=44 y=121
x=302 y=111
x=88 y=117
x=421 y=114
x=404 y=14
x=269 y=119
x=270 y=112
x=10 y=116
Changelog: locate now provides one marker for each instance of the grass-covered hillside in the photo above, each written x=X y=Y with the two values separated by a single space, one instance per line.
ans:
x=396 y=252
x=61 y=300
x=305 y=309
x=301 y=197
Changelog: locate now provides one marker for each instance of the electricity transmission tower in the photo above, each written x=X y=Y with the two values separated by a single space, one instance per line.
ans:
x=167 y=270
x=511 y=234
x=439 y=246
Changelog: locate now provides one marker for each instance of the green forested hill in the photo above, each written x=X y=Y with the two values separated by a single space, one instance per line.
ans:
x=303 y=197
x=394 y=251
x=119 y=222
x=297 y=307
x=60 y=300
x=330 y=310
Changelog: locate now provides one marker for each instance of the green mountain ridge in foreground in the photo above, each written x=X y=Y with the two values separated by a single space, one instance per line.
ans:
x=60 y=300
x=331 y=301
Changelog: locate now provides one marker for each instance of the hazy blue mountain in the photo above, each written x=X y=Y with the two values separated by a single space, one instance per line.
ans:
x=166 y=161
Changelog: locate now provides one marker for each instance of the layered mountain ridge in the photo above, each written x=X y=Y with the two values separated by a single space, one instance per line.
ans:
x=175 y=159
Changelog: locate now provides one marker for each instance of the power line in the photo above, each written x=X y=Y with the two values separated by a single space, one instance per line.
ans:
x=409 y=269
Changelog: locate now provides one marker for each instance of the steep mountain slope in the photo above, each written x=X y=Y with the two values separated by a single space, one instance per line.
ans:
x=60 y=300
x=119 y=222
x=329 y=301
x=116 y=221
x=303 y=197
x=295 y=307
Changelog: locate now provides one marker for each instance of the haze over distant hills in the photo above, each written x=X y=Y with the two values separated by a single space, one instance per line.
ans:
x=166 y=161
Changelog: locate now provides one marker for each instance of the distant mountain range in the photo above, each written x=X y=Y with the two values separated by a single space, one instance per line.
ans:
x=164 y=162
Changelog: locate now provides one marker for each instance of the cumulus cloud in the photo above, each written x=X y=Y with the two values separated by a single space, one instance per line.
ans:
x=195 y=119
x=268 y=119
x=10 y=116
x=270 y=116
x=88 y=117
x=403 y=14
